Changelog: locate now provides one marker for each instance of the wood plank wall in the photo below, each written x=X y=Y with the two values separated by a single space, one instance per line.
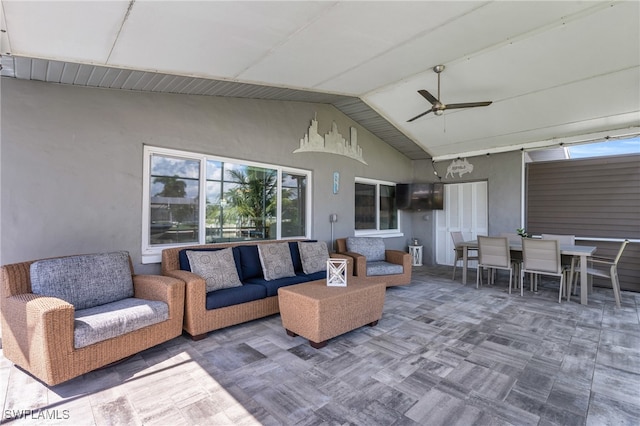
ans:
x=589 y=198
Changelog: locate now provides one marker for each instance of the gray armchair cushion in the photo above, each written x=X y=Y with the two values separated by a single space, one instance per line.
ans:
x=276 y=261
x=314 y=256
x=370 y=247
x=383 y=268
x=113 y=319
x=84 y=281
x=218 y=268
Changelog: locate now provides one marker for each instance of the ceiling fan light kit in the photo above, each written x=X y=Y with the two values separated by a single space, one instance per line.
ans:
x=437 y=107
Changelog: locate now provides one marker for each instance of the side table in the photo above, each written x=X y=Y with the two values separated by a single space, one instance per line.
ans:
x=416 y=255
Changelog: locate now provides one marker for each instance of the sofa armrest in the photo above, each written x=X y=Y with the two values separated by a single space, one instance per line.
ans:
x=398 y=257
x=195 y=293
x=193 y=283
x=37 y=331
x=359 y=263
x=157 y=287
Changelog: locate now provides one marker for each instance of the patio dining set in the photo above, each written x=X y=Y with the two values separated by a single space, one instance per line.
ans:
x=554 y=255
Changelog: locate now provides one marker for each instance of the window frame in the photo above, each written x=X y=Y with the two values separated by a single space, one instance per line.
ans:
x=153 y=253
x=377 y=232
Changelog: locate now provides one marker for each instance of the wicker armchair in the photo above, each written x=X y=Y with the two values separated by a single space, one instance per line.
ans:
x=364 y=268
x=38 y=331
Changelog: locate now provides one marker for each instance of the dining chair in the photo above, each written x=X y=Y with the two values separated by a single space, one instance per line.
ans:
x=602 y=271
x=516 y=256
x=569 y=263
x=457 y=238
x=541 y=257
x=493 y=253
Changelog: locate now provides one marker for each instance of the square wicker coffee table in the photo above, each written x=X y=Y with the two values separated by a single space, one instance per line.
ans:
x=318 y=312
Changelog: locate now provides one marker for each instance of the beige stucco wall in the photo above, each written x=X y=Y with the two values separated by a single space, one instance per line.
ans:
x=71 y=161
x=503 y=174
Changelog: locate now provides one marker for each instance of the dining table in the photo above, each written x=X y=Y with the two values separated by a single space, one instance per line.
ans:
x=583 y=252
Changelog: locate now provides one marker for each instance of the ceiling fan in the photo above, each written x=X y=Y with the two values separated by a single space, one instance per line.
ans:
x=437 y=107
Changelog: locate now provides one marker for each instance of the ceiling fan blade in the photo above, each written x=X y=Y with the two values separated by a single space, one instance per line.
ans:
x=468 y=105
x=428 y=96
x=418 y=116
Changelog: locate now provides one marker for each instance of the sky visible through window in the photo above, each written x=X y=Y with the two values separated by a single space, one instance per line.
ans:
x=601 y=149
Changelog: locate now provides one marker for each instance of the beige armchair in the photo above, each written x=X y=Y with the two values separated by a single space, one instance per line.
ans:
x=376 y=269
x=40 y=332
x=605 y=268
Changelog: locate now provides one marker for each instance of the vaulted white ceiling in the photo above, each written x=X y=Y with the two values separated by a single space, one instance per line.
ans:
x=553 y=69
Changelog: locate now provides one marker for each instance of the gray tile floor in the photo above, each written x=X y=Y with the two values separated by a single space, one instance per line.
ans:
x=443 y=354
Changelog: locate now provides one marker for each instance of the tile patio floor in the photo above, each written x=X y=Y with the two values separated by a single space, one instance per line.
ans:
x=442 y=354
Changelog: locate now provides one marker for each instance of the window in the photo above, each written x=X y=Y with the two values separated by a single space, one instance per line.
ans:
x=174 y=187
x=198 y=199
x=375 y=207
x=294 y=198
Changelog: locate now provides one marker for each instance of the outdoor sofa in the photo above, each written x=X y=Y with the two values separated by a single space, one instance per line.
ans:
x=228 y=284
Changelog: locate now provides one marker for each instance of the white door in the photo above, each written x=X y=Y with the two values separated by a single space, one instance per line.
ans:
x=466 y=210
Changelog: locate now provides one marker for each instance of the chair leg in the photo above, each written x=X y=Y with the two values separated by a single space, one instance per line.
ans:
x=561 y=288
x=567 y=280
x=616 y=285
x=521 y=282
x=515 y=271
x=455 y=263
x=516 y=275
x=531 y=282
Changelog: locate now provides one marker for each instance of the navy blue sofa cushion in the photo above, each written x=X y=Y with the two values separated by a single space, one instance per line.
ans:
x=249 y=268
x=272 y=286
x=295 y=256
x=186 y=266
x=250 y=265
x=235 y=295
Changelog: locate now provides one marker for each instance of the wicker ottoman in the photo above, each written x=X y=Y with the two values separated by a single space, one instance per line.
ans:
x=318 y=312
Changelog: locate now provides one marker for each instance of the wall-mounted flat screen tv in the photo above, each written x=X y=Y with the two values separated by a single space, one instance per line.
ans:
x=437 y=196
x=420 y=196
